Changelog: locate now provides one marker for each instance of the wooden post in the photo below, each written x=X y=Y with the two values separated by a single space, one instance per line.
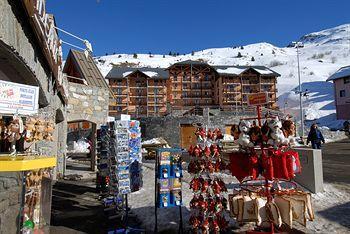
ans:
x=258 y=109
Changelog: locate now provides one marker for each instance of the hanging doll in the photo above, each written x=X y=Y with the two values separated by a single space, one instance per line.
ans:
x=50 y=128
x=276 y=135
x=15 y=129
x=288 y=128
x=244 y=140
x=255 y=135
x=39 y=130
x=2 y=127
x=30 y=129
x=235 y=132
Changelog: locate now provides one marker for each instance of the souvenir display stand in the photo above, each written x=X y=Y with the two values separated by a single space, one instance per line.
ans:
x=208 y=205
x=119 y=166
x=168 y=174
x=18 y=133
x=265 y=165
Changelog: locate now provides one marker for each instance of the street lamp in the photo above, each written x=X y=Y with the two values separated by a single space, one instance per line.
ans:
x=300 y=92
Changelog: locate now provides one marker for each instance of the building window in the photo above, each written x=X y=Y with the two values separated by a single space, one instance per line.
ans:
x=347 y=80
x=342 y=93
x=184 y=86
x=175 y=77
x=119 y=108
x=119 y=100
x=206 y=77
x=156 y=109
x=119 y=91
x=155 y=91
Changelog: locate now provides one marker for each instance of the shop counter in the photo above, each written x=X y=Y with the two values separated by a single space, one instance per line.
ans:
x=25 y=163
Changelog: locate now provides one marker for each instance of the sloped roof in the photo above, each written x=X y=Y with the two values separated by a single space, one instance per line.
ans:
x=341 y=73
x=86 y=68
x=190 y=62
x=123 y=72
x=237 y=70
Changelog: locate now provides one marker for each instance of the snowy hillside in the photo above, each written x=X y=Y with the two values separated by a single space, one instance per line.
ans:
x=324 y=53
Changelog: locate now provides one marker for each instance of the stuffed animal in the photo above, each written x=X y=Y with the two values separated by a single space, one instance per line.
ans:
x=39 y=130
x=50 y=128
x=244 y=139
x=15 y=129
x=30 y=129
x=288 y=128
x=277 y=137
x=255 y=135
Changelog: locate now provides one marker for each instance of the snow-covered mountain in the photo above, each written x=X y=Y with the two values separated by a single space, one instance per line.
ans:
x=323 y=53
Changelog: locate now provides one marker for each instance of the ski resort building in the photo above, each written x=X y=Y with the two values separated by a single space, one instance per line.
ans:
x=188 y=84
x=138 y=91
x=341 y=80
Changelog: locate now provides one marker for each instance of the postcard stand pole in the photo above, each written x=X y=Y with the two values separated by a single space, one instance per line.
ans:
x=156 y=190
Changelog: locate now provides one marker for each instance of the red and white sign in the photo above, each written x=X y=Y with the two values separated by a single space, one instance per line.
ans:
x=256 y=99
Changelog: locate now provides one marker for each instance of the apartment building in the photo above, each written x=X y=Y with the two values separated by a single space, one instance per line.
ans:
x=191 y=83
x=341 y=80
x=138 y=91
x=188 y=84
x=234 y=84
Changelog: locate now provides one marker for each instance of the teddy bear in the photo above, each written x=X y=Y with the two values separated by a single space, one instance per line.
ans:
x=244 y=139
x=39 y=130
x=50 y=128
x=277 y=137
x=30 y=129
x=15 y=129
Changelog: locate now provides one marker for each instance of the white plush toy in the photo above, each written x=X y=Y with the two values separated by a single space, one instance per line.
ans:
x=277 y=137
x=244 y=139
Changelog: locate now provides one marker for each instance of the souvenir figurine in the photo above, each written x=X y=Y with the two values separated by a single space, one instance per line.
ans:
x=255 y=135
x=15 y=129
x=235 y=132
x=244 y=139
x=195 y=185
x=39 y=130
x=50 y=128
x=288 y=128
x=276 y=135
x=197 y=151
x=216 y=228
x=210 y=167
x=195 y=222
x=205 y=226
x=218 y=134
x=207 y=151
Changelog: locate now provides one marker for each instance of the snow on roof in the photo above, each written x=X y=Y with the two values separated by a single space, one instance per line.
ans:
x=125 y=74
x=231 y=70
x=263 y=71
x=150 y=73
x=341 y=73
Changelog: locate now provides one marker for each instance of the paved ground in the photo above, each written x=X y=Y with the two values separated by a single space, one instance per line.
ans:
x=76 y=209
x=336 y=162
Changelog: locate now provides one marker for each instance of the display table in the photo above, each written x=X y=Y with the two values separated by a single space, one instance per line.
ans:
x=32 y=183
x=25 y=163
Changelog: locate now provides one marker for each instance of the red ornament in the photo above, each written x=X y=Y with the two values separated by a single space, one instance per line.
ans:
x=207 y=152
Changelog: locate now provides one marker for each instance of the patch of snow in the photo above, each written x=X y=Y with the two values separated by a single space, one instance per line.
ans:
x=125 y=74
x=231 y=70
x=150 y=73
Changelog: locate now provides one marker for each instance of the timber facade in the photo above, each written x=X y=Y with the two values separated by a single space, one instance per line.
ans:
x=185 y=85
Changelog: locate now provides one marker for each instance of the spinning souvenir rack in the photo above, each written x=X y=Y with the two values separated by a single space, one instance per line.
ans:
x=168 y=175
x=265 y=165
x=208 y=204
x=119 y=166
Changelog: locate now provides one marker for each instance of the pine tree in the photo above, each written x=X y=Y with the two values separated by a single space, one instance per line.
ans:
x=163 y=55
x=253 y=59
x=239 y=55
x=192 y=53
x=135 y=56
x=242 y=48
x=273 y=52
x=170 y=54
x=150 y=54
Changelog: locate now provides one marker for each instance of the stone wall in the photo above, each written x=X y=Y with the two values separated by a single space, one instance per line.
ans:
x=22 y=61
x=87 y=103
x=169 y=127
x=10 y=197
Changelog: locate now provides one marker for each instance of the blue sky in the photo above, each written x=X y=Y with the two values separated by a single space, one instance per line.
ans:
x=160 y=26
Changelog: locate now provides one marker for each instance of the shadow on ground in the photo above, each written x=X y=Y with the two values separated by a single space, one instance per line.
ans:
x=339 y=214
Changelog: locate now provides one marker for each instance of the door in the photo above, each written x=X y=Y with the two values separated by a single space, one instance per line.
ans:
x=187 y=135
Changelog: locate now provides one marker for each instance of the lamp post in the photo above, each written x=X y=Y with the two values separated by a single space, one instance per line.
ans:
x=297 y=45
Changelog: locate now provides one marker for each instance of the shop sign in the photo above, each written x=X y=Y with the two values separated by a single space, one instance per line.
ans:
x=18 y=98
x=44 y=27
x=256 y=99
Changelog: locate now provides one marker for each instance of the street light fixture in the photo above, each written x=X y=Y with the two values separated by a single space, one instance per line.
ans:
x=300 y=92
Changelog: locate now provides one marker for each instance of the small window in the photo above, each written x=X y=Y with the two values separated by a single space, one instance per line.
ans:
x=119 y=108
x=119 y=100
x=342 y=93
x=347 y=80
